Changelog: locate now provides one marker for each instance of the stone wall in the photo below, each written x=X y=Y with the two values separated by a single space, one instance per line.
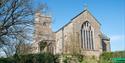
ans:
x=73 y=28
x=43 y=32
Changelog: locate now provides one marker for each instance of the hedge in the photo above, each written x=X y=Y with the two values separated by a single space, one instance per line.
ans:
x=106 y=57
x=31 y=58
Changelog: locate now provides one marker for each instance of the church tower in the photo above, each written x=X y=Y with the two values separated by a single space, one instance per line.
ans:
x=42 y=33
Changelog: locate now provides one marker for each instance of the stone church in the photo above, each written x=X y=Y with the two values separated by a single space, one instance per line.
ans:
x=82 y=35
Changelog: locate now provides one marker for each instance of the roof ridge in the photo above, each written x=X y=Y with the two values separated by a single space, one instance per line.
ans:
x=71 y=20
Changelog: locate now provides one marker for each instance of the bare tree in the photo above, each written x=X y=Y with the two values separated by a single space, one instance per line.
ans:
x=72 y=45
x=16 y=24
x=16 y=20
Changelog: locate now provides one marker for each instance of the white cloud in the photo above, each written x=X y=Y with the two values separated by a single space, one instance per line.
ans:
x=116 y=38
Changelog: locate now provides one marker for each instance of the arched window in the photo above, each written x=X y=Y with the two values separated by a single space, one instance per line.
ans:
x=87 y=36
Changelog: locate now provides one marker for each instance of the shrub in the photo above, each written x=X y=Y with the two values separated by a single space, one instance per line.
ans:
x=31 y=58
x=106 y=57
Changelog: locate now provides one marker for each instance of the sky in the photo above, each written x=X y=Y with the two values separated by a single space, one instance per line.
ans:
x=110 y=13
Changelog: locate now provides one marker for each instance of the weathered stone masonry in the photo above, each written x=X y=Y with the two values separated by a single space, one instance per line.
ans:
x=81 y=34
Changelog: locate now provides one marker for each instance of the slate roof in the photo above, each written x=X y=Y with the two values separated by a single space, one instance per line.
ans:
x=104 y=37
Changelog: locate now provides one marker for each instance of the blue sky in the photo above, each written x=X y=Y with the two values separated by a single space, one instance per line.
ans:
x=110 y=13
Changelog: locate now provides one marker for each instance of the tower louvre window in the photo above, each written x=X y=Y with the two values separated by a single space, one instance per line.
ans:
x=44 y=23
